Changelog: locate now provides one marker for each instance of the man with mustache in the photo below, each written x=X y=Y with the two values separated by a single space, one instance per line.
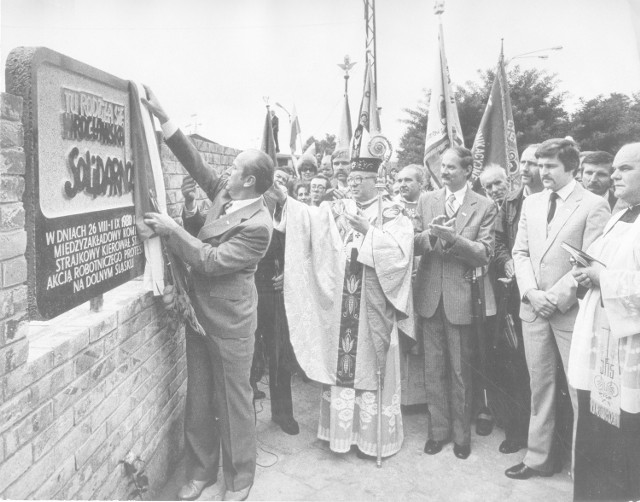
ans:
x=454 y=235
x=563 y=212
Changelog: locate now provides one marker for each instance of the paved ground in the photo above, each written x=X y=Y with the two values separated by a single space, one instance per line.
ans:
x=303 y=468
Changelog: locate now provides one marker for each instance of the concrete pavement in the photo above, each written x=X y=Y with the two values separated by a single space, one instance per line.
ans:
x=303 y=468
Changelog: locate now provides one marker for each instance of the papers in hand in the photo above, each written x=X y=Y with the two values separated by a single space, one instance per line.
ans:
x=582 y=259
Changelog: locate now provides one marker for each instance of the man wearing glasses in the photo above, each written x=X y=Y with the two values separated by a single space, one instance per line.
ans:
x=346 y=281
x=319 y=186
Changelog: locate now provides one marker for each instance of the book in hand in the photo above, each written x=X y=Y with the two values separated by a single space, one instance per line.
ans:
x=582 y=259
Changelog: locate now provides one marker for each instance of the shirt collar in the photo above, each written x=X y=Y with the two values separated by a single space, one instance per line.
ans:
x=459 y=195
x=566 y=190
x=239 y=204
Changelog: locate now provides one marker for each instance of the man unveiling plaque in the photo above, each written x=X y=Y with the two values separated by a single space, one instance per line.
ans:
x=82 y=238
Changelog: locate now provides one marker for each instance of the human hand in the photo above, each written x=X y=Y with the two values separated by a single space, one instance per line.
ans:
x=358 y=222
x=442 y=228
x=188 y=192
x=509 y=269
x=541 y=303
x=160 y=223
x=169 y=297
x=588 y=277
x=278 y=282
x=278 y=192
x=153 y=105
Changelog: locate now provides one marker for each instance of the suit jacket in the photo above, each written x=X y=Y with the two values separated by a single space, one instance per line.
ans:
x=507 y=228
x=539 y=260
x=442 y=269
x=223 y=251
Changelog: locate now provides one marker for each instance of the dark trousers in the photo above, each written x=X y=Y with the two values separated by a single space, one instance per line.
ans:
x=219 y=410
x=509 y=391
x=274 y=332
x=607 y=461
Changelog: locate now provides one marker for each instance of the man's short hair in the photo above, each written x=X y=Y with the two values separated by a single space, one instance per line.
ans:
x=492 y=169
x=465 y=156
x=598 y=158
x=419 y=172
x=566 y=150
x=327 y=181
x=341 y=154
x=261 y=167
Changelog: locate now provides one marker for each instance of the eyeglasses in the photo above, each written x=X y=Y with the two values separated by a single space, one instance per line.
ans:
x=317 y=188
x=305 y=169
x=357 y=180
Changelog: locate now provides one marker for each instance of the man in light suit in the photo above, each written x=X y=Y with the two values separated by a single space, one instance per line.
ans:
x=563 y=212
x=454 y=235
x=223 y=251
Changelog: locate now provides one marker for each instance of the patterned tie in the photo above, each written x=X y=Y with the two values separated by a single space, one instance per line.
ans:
x=450 y=206
x=552 y=206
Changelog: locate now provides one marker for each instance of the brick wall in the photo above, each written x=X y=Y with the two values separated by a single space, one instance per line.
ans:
x=217 y=156
x=81 y=391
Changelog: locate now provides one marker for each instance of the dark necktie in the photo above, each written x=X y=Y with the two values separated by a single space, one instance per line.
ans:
x=552 y=206
x=450 y=206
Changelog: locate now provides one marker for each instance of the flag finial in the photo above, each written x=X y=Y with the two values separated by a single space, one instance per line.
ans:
x=438 y=7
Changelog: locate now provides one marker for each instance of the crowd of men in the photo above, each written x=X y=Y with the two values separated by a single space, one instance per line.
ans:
x=336 y=269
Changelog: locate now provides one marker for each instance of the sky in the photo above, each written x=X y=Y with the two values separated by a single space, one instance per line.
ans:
x=211 y=62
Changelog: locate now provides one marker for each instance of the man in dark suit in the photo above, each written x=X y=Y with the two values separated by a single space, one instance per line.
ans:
x=223 y=251
x=510 y=363
x=454 y=235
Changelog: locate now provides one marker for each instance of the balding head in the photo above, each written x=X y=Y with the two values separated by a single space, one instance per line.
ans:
x=257 y=164
x=626 y=174
x=494 y=181
x=409 y=181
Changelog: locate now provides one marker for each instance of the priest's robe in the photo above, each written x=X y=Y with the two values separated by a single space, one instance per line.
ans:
x=344 y=295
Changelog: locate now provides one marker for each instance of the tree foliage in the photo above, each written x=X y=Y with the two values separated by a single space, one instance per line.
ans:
x=607 y=123
x=326 y=145
x=601 y=123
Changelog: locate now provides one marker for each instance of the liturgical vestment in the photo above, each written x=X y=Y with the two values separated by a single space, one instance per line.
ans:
x=344 y=293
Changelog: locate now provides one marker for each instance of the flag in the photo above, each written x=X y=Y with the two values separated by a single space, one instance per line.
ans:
x=495 y=141
x=295 y=129
x=368 y=118
x=268 y=141
x=343 y=141
x=311 y=150
x=443 y=124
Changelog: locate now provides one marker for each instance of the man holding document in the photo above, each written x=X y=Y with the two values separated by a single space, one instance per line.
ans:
x=563 y=212
x=604 y=365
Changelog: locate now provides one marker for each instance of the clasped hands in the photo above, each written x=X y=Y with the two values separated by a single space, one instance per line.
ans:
x=587 y=277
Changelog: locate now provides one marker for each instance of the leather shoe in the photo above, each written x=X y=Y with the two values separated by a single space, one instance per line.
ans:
x=521 y=471
x=510 y=446
x=239 y=495
x=192 y=489
x=484 y=423
x=461 y=451
x=287 y=424
x=431 y=447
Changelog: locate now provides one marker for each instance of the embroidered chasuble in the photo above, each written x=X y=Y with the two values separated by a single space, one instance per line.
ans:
x=344 y=293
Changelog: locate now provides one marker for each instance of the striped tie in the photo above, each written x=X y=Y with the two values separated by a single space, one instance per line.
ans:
x=450 y=207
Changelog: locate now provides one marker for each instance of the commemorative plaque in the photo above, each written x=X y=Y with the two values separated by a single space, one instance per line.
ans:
x=81 y=234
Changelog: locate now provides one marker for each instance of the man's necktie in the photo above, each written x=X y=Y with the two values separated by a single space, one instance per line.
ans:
x=450 y=206
x=553 y=198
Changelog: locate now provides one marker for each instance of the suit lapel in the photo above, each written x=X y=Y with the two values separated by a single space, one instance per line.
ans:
x=437 y=206
x=564 y=213
x=465 y=211
x=226 y=222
